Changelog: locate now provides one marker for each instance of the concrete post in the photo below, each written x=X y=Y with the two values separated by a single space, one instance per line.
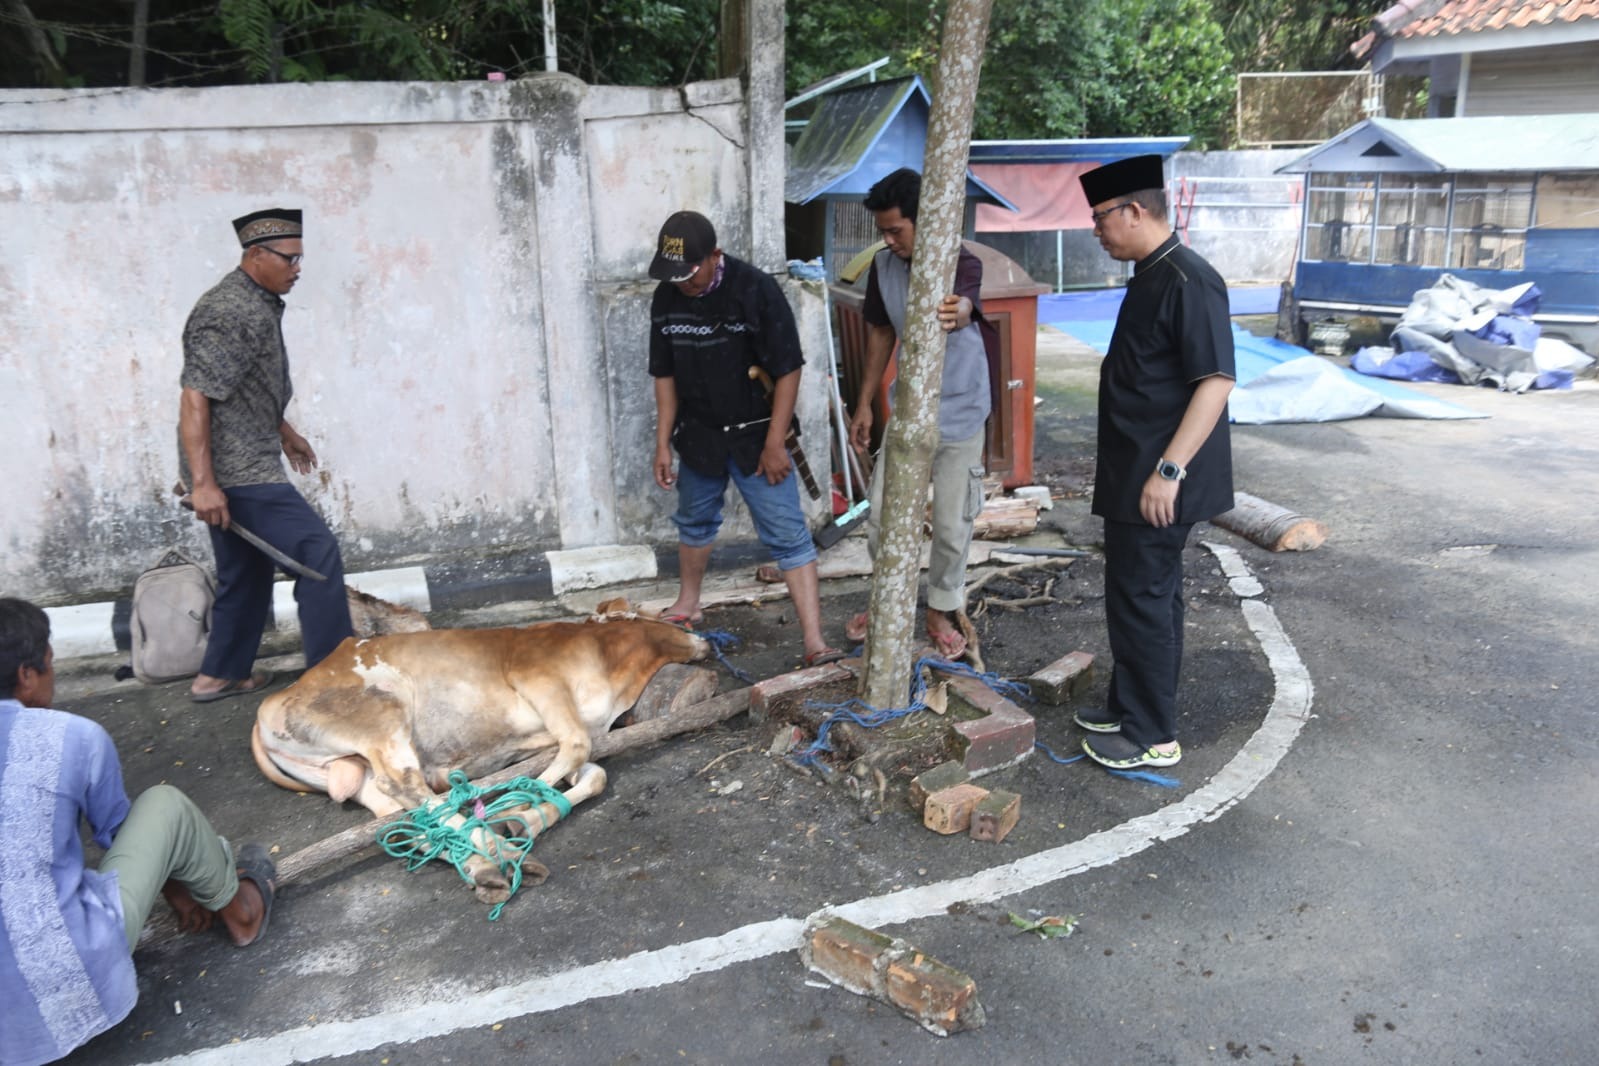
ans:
x=764 y=118
x=552 y=104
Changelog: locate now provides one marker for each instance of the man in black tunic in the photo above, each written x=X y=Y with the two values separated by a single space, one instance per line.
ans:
x=714 y=320
x=1165 y=458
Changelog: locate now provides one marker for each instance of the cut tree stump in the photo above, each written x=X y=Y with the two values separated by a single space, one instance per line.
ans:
x=1270 y=526
x=301 y=864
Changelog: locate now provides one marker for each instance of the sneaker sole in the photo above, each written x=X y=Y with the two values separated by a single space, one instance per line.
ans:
x=1097 y=727
x=1143 y=762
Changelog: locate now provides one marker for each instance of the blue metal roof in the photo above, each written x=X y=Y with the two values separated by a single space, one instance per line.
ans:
x=859 y=135
x=1075 y=149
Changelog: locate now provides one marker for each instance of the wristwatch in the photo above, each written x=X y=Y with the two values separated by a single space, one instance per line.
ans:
x=1170 y=470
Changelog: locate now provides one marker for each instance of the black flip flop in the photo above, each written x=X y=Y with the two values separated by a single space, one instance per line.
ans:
x=261 y=679
x=255 y=866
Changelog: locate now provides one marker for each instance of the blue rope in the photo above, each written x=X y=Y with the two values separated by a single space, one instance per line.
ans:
x=721 y=642
x=1056 y=758
x=1148 y=775
x=863 y=714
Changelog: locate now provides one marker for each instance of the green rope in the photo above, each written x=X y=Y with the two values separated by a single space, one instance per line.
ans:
x=421 y=836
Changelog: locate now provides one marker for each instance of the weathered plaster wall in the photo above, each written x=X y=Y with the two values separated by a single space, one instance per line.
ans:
x=467 y=339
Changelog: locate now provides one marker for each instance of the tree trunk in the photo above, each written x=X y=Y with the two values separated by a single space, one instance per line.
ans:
x=912 y=432
x=140 y=45
x=51 y=73
x=733 y=39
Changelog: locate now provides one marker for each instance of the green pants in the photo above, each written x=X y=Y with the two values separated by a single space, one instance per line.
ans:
x=166 y=836
x=957 y=499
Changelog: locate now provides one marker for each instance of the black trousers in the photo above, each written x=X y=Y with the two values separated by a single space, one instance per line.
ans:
x=280 y=516
x=1144 y=613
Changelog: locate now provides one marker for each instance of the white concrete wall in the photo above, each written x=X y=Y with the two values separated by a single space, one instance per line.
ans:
x=467 y=340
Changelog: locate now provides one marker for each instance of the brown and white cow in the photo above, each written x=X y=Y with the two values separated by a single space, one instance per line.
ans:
x=384 y=720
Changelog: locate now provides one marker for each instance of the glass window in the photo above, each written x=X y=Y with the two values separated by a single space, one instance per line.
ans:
x=1413 y=200
x=1489 y=228
x=1340 y=214
x=1340 y=242
x=1412 y=219
x=1568 y=201
x=1410 y=245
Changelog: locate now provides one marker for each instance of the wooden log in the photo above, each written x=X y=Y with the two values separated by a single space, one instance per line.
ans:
x=301 y=864
x=674 y=688
x=1270 y=526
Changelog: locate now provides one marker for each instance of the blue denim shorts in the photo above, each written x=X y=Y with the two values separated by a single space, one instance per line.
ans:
x=779 y=520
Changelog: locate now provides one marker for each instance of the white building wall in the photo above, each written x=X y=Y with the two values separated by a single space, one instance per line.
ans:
x=467 y=340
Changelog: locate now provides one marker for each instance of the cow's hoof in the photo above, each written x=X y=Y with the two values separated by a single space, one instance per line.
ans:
x=492 y=894
x=490 y=885
x=533 y=871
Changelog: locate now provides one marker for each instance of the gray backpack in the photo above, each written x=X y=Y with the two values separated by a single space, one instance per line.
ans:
x=171 y=618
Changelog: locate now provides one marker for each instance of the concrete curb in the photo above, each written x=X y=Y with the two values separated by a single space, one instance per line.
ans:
x=91 y=629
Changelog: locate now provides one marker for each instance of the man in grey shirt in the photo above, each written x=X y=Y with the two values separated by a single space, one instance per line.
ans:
x=231 y=429
x=964 y=402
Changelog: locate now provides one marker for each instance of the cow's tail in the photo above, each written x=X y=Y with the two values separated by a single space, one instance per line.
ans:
x=268 y=768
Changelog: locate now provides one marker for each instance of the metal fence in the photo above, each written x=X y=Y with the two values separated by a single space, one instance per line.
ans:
x=1303 y=108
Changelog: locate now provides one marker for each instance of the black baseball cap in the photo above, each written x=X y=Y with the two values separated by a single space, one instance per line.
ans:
x=686 y=239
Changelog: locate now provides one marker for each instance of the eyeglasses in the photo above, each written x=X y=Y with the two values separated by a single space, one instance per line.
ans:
x=287 y=258
x=1100 y=216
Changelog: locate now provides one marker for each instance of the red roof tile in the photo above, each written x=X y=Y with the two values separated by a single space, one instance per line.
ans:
x=1470 y=16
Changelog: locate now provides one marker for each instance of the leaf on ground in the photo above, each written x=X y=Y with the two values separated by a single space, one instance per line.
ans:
x=1051 y=925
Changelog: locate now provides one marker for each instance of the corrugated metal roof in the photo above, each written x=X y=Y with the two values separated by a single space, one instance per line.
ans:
x=1434 y=145
x=1074 y=149
x=860 y=134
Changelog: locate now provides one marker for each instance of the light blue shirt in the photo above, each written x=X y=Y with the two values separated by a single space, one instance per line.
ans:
x=65 y=971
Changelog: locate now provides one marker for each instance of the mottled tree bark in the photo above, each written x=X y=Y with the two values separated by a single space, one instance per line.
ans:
x=912 y=432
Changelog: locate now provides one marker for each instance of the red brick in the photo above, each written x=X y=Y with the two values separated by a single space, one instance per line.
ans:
x=940 y=997
x=939 y=777
x=949 y=810
x=847 y=954
x=1004 y=735
x=1064 y=679
x=995 y=815
x=762 y=693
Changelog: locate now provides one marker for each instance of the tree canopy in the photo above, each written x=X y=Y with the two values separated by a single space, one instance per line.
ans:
x=1053 y=68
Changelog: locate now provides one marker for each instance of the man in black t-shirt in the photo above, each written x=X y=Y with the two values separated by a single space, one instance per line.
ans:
x=1165 y=459
x=712 y=320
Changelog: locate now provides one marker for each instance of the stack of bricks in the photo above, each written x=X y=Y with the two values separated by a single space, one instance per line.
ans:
x=949 y=803
x=938 y=997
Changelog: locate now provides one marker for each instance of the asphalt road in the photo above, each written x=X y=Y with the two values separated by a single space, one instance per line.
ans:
x=1382 y=849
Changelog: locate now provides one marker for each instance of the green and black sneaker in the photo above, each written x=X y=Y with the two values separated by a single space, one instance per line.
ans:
x=1099 y=720
x=1119 y=753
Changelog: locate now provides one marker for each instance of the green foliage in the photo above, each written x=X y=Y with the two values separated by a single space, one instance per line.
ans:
x=1274 y=35
x=1168 y=73
x=1041 y=67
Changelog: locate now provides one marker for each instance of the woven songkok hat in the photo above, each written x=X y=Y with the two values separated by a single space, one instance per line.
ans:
x=273 y=224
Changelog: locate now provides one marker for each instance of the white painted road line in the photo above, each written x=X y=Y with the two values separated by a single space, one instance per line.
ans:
x=1289 y=711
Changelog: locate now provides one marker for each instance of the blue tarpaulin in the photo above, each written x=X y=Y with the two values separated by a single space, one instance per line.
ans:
x=1277 y=382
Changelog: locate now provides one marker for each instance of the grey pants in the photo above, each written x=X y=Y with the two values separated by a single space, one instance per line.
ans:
x=957 y=499
x=166 y=836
